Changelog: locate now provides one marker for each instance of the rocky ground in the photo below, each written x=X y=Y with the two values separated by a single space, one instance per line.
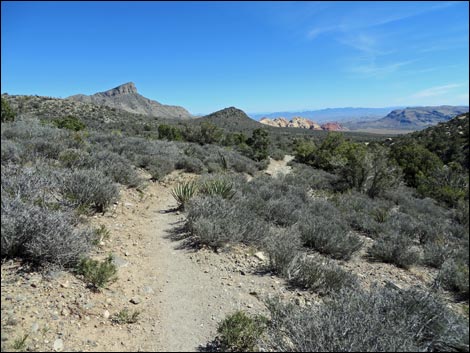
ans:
x=181 y=292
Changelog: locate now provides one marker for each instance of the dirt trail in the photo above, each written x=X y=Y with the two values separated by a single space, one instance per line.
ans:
x=181 y=294
x=279 y=167
x=183 y=297
x=188 y=297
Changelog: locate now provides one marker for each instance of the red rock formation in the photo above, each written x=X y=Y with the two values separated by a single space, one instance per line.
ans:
x=333 y=127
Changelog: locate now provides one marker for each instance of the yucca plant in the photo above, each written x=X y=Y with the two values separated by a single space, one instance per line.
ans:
x=184 y=191
x=219 y=187
x=223 y=161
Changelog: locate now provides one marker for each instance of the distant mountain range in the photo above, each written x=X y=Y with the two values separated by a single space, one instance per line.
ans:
x=331 y=114
x=127 y=98
x=367 y=119
x=412 y=118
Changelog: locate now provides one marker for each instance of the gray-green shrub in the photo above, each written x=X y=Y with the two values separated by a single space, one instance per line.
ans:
x=282 y=245
x=454 y=274
x=215 y=221
x=41 y=235
x=89 y=189
x=329 y=236
x=394 y=248
x=320 y=275
x=382 y=320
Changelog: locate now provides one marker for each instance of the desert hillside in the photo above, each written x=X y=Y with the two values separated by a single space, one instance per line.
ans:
x=207 y=239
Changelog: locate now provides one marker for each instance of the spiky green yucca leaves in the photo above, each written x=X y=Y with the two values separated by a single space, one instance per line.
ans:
x=219 y=187
x=184 y=191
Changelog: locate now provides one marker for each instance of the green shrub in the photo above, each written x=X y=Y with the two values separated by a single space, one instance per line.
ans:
x=415 y=161
x=19 y=344
x=169 y=133
x=7 y=112
x=124 y=316
x=99 y=274
x=367 y=169
x=184 y=191
x=304 y=151
x=259 y=143
x=447 y=184
x=240 y=332
x=70 y=123
x=209 y=133
x=101 y=234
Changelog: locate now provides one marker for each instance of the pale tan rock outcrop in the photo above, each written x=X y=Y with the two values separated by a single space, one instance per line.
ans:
x=297 y=122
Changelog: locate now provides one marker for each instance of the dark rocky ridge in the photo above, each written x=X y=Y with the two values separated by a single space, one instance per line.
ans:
x=127 y=98
x=231 y=119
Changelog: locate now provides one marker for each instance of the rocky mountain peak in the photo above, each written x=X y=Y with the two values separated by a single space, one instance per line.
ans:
x=126 y=88
x=127 y=98
x=232 y=110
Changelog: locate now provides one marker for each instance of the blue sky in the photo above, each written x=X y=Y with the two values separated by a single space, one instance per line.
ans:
x=257 y=56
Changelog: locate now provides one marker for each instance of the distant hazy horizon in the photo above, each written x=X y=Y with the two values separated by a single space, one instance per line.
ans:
x=256 y=56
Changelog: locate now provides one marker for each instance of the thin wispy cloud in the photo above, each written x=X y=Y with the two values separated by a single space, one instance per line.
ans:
x=449 y=44
x=366 y=43
x=315 y=32
x=366 y=16
x=436 y=91
x=374 y=70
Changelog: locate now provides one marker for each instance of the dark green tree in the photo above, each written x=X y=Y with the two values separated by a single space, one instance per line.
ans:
x=70 y=123
x=210 y=133
x=7 y=112
x=170 y=133
x=259 y=143
x=416 y=161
